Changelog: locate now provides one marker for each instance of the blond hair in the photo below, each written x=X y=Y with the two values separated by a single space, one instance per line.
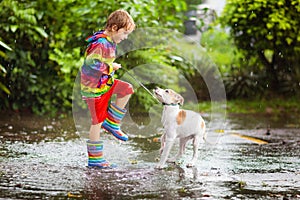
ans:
x=119 y=19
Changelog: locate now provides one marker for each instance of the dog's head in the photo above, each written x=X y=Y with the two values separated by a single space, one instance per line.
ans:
x=168 y=96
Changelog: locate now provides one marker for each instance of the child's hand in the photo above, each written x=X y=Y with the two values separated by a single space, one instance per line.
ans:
x=116 y=66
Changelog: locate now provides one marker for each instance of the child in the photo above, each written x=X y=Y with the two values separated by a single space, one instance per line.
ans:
x=98 y=84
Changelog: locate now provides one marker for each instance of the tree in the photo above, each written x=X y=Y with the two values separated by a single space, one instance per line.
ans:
x=268 y=31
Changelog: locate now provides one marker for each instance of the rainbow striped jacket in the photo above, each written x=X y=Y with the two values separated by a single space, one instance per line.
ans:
x=97 y=70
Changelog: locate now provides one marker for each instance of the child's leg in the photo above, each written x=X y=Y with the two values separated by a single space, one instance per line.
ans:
x=95 y=155
x=116 y=111
x=94 y=134
x=122 y=101
x=97 y=108
x=124 y=91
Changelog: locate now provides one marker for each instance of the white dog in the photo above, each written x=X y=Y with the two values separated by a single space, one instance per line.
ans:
x=183 y=124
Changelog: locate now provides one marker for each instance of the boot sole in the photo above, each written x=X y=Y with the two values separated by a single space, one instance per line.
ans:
x=115 y=135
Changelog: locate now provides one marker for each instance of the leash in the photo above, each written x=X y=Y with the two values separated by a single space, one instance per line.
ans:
x=141 y=84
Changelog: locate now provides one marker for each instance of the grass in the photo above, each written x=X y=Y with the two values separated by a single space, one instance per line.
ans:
x=273 y=106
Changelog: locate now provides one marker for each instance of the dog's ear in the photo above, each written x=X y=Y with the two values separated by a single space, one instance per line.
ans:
x=179 y=99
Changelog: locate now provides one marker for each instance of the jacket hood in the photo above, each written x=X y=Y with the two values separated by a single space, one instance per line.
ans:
x=96 y=36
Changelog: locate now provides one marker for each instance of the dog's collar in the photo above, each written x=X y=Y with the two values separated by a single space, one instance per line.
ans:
x=170 y=104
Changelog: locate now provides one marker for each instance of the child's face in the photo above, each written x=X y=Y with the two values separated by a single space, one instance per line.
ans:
x=121 y=34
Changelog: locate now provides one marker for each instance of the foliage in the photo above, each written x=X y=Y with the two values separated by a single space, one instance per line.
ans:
x=192 y=4
x=47 y=42
x=242 y=78
x=3 y=72
x=242 y=83
x=20 y=21
x=149 y=71
x=220 y=47
x=193 y=62
x=267 y=32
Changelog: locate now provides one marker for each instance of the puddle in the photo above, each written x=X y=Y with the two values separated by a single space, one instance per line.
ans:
x=46 y=159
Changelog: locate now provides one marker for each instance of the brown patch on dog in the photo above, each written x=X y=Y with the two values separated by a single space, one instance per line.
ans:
x=202 y=125
x=181 y=117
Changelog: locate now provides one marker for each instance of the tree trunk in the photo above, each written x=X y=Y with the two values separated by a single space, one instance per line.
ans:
x=271 y=72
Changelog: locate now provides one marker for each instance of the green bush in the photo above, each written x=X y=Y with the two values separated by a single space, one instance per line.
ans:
x=267 y=32
x=47 y=42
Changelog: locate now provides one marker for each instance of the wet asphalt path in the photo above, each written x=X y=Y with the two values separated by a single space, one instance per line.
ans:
x=40 y=163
